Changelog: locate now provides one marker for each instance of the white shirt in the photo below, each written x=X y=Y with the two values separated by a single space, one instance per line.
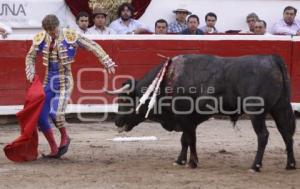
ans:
x=7 y=28
x=119 y=26
x=82 y=32
x=267 y=34
x=282 y=27
x=246 y=31
x=97 y=31
x=204 y=29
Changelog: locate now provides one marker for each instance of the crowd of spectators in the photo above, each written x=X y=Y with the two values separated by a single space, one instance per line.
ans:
x=185 y=23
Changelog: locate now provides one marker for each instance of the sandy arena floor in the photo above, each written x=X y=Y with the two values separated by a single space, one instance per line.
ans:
x=225 y=155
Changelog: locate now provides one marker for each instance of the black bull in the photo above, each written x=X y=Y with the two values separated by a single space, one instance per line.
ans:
x=197 y=87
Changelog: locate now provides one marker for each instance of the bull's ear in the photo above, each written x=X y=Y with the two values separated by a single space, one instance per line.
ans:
x=134 y=85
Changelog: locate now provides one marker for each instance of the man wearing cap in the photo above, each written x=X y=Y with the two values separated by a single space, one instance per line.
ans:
x=100 y=27
x=180 y=23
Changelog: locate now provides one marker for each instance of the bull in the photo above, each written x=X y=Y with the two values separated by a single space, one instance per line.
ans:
x=197 y=87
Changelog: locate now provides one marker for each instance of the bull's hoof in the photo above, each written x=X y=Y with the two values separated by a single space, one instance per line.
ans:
x=192 y=165
x=291 y=166
x=253 y=171
x=255 y=168
x=180 y=162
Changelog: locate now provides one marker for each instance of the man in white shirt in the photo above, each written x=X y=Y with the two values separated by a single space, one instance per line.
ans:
x=4 y=30
x=125 y=24
x=210 y=20
x=288 y=25
x=251 y=19
x=260 y=28
x=82 y=21
x=100 y=27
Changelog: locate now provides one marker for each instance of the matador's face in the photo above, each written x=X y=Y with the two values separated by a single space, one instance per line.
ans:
x=54 y=33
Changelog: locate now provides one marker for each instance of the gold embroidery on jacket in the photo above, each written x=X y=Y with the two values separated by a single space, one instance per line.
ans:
x=93 y=47
x=59 y=53
x=46 y=50
x=70 y=35
x=39 y=38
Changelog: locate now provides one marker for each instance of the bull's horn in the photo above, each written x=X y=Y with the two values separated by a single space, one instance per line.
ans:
x=118 y=91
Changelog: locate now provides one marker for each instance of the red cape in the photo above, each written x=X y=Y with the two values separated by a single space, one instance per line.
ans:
x=25 y=147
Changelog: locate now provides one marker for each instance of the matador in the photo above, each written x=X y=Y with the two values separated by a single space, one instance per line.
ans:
x=58 y=47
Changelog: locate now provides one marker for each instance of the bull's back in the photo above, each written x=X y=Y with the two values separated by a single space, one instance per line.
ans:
x=230 y=77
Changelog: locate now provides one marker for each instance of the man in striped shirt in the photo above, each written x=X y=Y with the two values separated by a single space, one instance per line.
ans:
x=180 y=23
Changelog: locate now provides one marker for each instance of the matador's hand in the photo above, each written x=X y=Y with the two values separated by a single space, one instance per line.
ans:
x=109 y=65
x=112 y=69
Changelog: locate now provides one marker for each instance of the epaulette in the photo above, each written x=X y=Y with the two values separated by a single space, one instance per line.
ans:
x=70 y=35
x=39 y=38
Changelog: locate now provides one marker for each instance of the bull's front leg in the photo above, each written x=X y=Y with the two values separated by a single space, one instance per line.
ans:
x=182 y=158
x=188 y=139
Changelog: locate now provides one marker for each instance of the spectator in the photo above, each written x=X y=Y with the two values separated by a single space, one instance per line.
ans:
x=82 y=21
x=260 y=28
x=125 y=24
x=161 y=26
x=180 y=23
x=288 y=25
x=193 y=23
x=5 y=30
x=210 y=20
x=250 y=19
x=100 y=28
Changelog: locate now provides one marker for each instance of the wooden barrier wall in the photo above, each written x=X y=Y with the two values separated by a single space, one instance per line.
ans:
x=135 y=56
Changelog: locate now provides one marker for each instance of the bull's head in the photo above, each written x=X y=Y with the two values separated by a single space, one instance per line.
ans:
x=127 y=118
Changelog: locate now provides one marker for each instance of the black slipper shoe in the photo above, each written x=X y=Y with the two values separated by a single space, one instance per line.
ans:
x=49 y=156
x=64 y=149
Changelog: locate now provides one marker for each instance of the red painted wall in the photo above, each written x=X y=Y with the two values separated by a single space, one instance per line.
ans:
x=295 y=71
x=134 y=57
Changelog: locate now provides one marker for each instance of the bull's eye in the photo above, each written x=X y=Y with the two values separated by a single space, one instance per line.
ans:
x=123 y=100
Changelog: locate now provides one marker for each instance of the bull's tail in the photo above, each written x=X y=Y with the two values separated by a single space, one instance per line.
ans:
x=285 y=98
x=286 y=80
